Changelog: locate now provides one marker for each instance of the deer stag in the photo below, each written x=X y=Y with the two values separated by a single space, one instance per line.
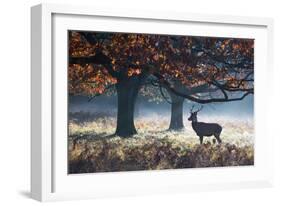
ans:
x=204 y=129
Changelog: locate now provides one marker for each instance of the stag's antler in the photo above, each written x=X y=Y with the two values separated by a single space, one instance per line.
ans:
x=191 y=110
x=200 y=109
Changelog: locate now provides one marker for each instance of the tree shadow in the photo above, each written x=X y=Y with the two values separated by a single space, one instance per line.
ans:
x=109 y=136
x=93 y=137
x=165 y=131
x=106 y=136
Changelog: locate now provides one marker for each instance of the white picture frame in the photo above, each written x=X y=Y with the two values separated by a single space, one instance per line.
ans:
x=48 y=178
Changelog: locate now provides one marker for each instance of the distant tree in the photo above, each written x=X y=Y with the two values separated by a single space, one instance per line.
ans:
x=159 y=93
x=99 y=61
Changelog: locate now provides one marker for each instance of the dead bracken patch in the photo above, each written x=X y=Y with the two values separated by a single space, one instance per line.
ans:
x=93 y=148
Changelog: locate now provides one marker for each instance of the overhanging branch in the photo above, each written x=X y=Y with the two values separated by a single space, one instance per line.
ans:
x=198 y=100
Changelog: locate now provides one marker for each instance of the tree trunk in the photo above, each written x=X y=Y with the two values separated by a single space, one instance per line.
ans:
x=177 y=103
x=137 y=109
x=127 y=91
x=176 y=122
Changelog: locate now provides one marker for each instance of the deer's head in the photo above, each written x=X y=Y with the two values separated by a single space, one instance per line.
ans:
x=193 y=114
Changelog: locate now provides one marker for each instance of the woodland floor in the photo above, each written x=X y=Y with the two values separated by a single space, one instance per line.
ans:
x=93 y=148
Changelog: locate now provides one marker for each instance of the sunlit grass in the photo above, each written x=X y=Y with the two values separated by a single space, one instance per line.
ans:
x=94 y=148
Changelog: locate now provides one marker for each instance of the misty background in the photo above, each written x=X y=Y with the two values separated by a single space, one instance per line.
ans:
x=107 y=105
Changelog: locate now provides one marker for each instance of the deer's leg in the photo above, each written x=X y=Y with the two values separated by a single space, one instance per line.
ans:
x=218 y=138
x=201 y=139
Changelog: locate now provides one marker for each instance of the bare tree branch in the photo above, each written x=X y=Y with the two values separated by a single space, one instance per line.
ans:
x=96 y=95
x=201 y=101
x=163 y=95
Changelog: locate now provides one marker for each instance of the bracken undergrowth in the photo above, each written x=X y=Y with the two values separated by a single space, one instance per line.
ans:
x=92 y=146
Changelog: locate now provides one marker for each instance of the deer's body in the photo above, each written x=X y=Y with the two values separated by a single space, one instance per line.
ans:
x=203 y=129
x=206 y=129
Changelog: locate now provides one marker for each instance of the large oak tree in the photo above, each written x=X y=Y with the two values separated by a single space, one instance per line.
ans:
x=224 y=67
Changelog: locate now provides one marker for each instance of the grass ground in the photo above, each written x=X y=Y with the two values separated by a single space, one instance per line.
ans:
x=93 y=148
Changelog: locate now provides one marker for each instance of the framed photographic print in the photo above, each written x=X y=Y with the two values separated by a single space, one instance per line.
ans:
x=137 y=102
